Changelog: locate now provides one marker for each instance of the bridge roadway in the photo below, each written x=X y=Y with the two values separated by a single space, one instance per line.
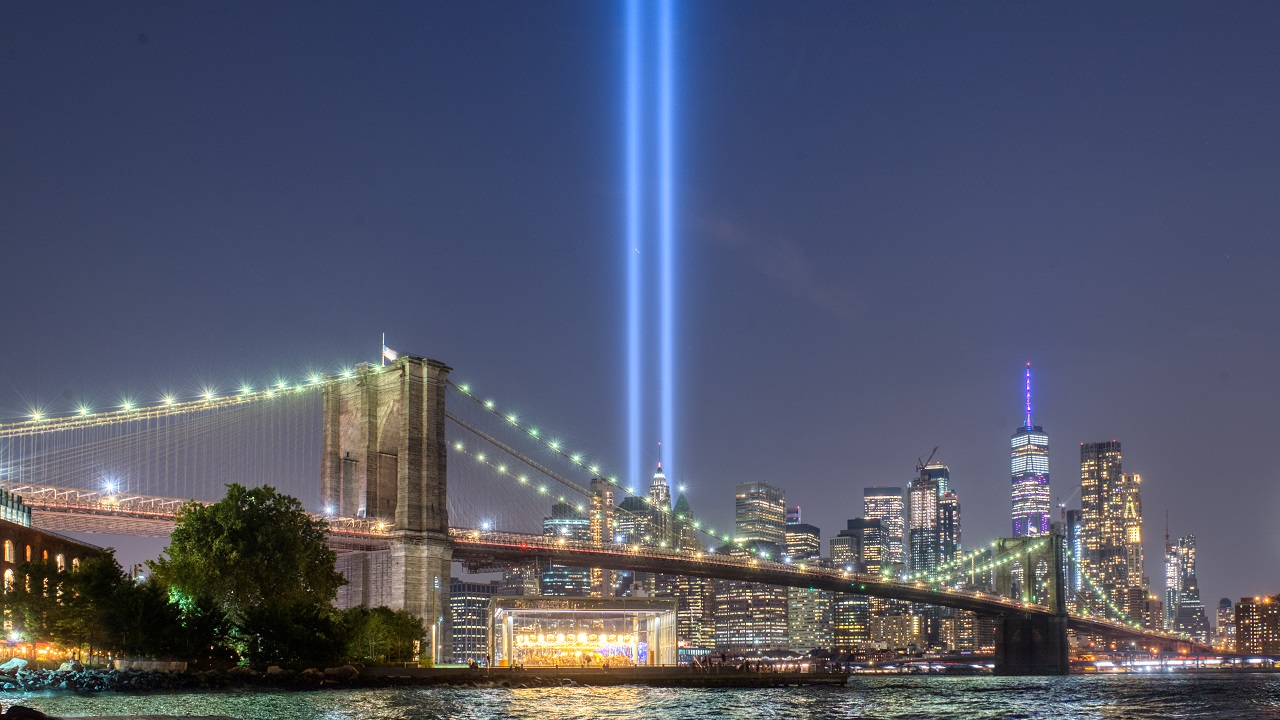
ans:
x=65 y=510
x=502 y=547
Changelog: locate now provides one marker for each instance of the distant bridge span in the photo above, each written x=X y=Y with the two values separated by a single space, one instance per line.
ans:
x=499 y=547
x=68 y=510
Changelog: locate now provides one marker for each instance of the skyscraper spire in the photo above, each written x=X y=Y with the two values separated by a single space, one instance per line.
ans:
x=1029 y=456
x=1028 y=423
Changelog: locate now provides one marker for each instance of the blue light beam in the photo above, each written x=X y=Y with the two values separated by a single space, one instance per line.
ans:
x=667 y=239
x=632 y=84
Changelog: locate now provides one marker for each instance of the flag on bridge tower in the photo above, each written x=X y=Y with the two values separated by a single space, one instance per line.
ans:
x=388 y=353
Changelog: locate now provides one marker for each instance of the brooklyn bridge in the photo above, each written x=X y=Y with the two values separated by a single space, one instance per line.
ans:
x=413 y=471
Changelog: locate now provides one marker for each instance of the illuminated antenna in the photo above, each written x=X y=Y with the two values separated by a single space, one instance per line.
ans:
x=1028 y=395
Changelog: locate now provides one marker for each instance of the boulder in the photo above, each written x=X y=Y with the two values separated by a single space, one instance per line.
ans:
x=12 y=666
x=275 y=670
x=346 y=673
x=311 y=676
x=71 y=666
x=24 y=712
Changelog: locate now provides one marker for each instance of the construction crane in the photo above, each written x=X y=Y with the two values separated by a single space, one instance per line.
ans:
x=1062 y=504
x=922 y=464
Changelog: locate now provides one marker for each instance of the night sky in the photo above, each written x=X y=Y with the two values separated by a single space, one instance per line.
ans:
x=884 y=211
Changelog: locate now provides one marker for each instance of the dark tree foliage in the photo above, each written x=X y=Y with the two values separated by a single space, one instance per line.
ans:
x=254 y=568
x=255 y=549
x=380 y=635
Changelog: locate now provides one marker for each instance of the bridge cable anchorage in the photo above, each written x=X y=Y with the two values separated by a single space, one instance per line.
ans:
x=511 y=419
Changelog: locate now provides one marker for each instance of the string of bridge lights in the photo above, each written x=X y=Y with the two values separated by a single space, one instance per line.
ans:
x=578 y=459
x=936 y=575
x=206 y=397
x=1102 y=595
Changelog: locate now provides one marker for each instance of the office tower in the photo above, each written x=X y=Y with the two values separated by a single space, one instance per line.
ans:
x=695 y=612
x=750 y=617
x=1226 y=636
x=1133 y=596
x=861 y=547
x=571 y=524
x=1189 y=618
x=885 y=503
x=803 y=541
x=468 y=620
x=1172 y=580
x=683 y=533
x=1258 y=626
x=660 y=509
x=602 y=527
x=924 y=517
x=1074 y=533
x=523 y=580
x=808 y=618
x=949 y=526
x=1029 y=458
x=760 y=514
x=808 y=609
x=632 y=524
x=1102 y=500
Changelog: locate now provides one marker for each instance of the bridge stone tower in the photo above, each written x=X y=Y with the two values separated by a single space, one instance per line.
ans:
x=1028 y=644
x=385 y=458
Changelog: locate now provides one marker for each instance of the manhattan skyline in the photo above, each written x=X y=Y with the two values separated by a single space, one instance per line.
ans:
x=870 y=197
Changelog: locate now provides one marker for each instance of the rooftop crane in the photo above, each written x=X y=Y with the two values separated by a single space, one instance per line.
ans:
x=921 y=465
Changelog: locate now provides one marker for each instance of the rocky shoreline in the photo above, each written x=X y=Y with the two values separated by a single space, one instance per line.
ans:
x=88 y=680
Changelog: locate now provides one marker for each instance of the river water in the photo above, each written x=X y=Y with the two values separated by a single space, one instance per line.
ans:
x=1116 y=697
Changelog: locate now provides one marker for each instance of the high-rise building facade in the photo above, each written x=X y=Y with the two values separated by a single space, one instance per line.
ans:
x=567 y=522
x=1188 y=615
x=1029 y=458
x=886 y=504
x=1105 y=562
x=660 y=524
x=469 y=619
x=1134 y=597
x=1074 y=533
x=601 y=522
x=861 y=547
x=924 y=517
x=759 y=513
x=1258 y=626
x=803 y=541
x=808 y=609
x=1172 y=581
x=750 y=617
x=1225 y=637
x=949 y=526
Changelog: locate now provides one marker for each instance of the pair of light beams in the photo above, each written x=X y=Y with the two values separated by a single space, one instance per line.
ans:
x=643 y=20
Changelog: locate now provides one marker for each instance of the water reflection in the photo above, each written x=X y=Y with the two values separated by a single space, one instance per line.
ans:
x=1132 y=697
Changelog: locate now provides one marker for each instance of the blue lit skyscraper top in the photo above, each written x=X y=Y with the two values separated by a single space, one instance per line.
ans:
x=1029 y=457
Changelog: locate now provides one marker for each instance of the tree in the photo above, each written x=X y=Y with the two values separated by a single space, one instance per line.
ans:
x=260 y=561
x=380 y=635
x=88 y=595
x=31 y=604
